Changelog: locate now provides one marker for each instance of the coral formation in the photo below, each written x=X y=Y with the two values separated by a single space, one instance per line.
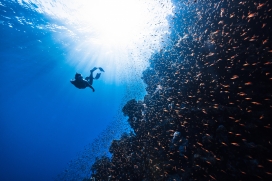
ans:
x=207 y=112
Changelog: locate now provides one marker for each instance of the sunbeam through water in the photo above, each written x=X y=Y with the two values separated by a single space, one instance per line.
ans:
x=119 y=35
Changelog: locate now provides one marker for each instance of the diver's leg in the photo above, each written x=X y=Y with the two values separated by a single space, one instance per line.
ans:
x=90 y=81
x=90 y=78
x=91 y=72
x=97 y=76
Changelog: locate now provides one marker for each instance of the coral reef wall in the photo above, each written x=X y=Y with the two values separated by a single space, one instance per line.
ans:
x=207 y=113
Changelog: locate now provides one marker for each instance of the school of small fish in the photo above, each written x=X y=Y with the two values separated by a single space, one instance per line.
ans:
x=208 y=111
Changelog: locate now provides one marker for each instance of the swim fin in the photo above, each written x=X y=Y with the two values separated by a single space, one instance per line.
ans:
x=97 y=76
x=93 y=69
x=102 y=70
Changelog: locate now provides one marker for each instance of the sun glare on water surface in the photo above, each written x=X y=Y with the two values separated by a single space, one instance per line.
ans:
x=118 y=35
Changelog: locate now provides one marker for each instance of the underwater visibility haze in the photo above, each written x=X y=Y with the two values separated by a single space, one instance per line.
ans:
x=185 y=93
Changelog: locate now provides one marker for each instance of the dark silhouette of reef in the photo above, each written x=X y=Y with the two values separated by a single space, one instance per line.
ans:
x=207 y=113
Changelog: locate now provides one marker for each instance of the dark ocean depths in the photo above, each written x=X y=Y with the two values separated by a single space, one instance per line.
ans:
x=206 y=113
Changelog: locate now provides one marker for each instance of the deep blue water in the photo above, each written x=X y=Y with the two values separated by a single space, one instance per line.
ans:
x=44 y=120
x=200 y=111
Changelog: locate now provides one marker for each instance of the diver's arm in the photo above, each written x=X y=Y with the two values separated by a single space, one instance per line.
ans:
x=72 y=80
x=90 y=86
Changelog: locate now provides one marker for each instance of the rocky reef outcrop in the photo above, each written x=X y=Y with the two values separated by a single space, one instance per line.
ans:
x=208 y=109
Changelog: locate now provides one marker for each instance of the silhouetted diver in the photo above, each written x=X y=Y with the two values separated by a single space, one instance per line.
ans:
x=81 y=83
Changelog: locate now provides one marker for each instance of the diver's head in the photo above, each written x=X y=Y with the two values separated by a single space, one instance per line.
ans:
x=78 y=76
